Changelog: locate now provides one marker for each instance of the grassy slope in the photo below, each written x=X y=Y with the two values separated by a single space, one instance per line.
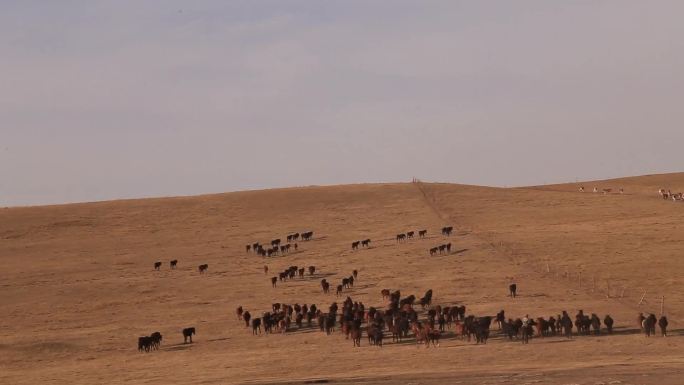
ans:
x=78 y=284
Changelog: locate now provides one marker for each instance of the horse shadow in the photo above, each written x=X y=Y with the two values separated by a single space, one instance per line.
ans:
x=176 y=347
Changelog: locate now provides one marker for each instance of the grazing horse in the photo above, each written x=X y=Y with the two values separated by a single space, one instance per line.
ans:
x=420 y=334
x=312 y=270
x=173 y=264
x=265 y=269
x=649 y=325
x=355 y=245
x=246 y=317
x=434 y=250
x=156 y=338
x=144 y=344
x=256 y=326
x=527 y=331
x=188 y=333
x=355 y=334
x=608 y=321
x=409 y=235
x=355 y=273
x=385 y=293
x=500 y=318
x=433 y=337
x=662 y=323
x=422 y=233
x=157 y=265
x=339 y=290
x=513 y=288
x=595 y=324
x=248 y=248
x=365 y=243
x=401 y=237
x=274 y=281
x=446 y=231
x=203 y=268
x=239 y=312
x=375 y=335
x=566 y=322
x=325 y=285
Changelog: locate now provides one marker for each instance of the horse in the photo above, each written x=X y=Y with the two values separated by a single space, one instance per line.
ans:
x=527 y=331
x=662 y=323
x=595 y=324
x=144 y=344
x=203 y=268
x=156 y=338
x=256 y=326
x=608 y=321
x=649 y=325
x=173 y=264
x=513 y=288
x=157 y=265
x=188 y=333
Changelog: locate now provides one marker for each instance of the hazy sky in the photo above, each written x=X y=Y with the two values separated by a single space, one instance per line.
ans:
x=115 y=99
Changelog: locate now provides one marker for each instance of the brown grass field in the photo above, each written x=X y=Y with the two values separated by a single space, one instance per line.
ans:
x=78 y=284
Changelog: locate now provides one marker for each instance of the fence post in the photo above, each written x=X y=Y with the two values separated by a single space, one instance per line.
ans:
x=579 y=278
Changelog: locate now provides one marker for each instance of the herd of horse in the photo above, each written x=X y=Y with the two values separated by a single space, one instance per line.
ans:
x=401 y=318
x=670 y=195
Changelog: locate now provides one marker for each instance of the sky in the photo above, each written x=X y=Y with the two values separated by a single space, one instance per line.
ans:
x=121 y=99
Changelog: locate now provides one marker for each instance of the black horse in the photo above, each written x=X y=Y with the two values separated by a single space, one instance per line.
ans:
x=513 y=288
x=187 y=334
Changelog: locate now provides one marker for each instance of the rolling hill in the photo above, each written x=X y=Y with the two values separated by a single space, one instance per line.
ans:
x=78 y=284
